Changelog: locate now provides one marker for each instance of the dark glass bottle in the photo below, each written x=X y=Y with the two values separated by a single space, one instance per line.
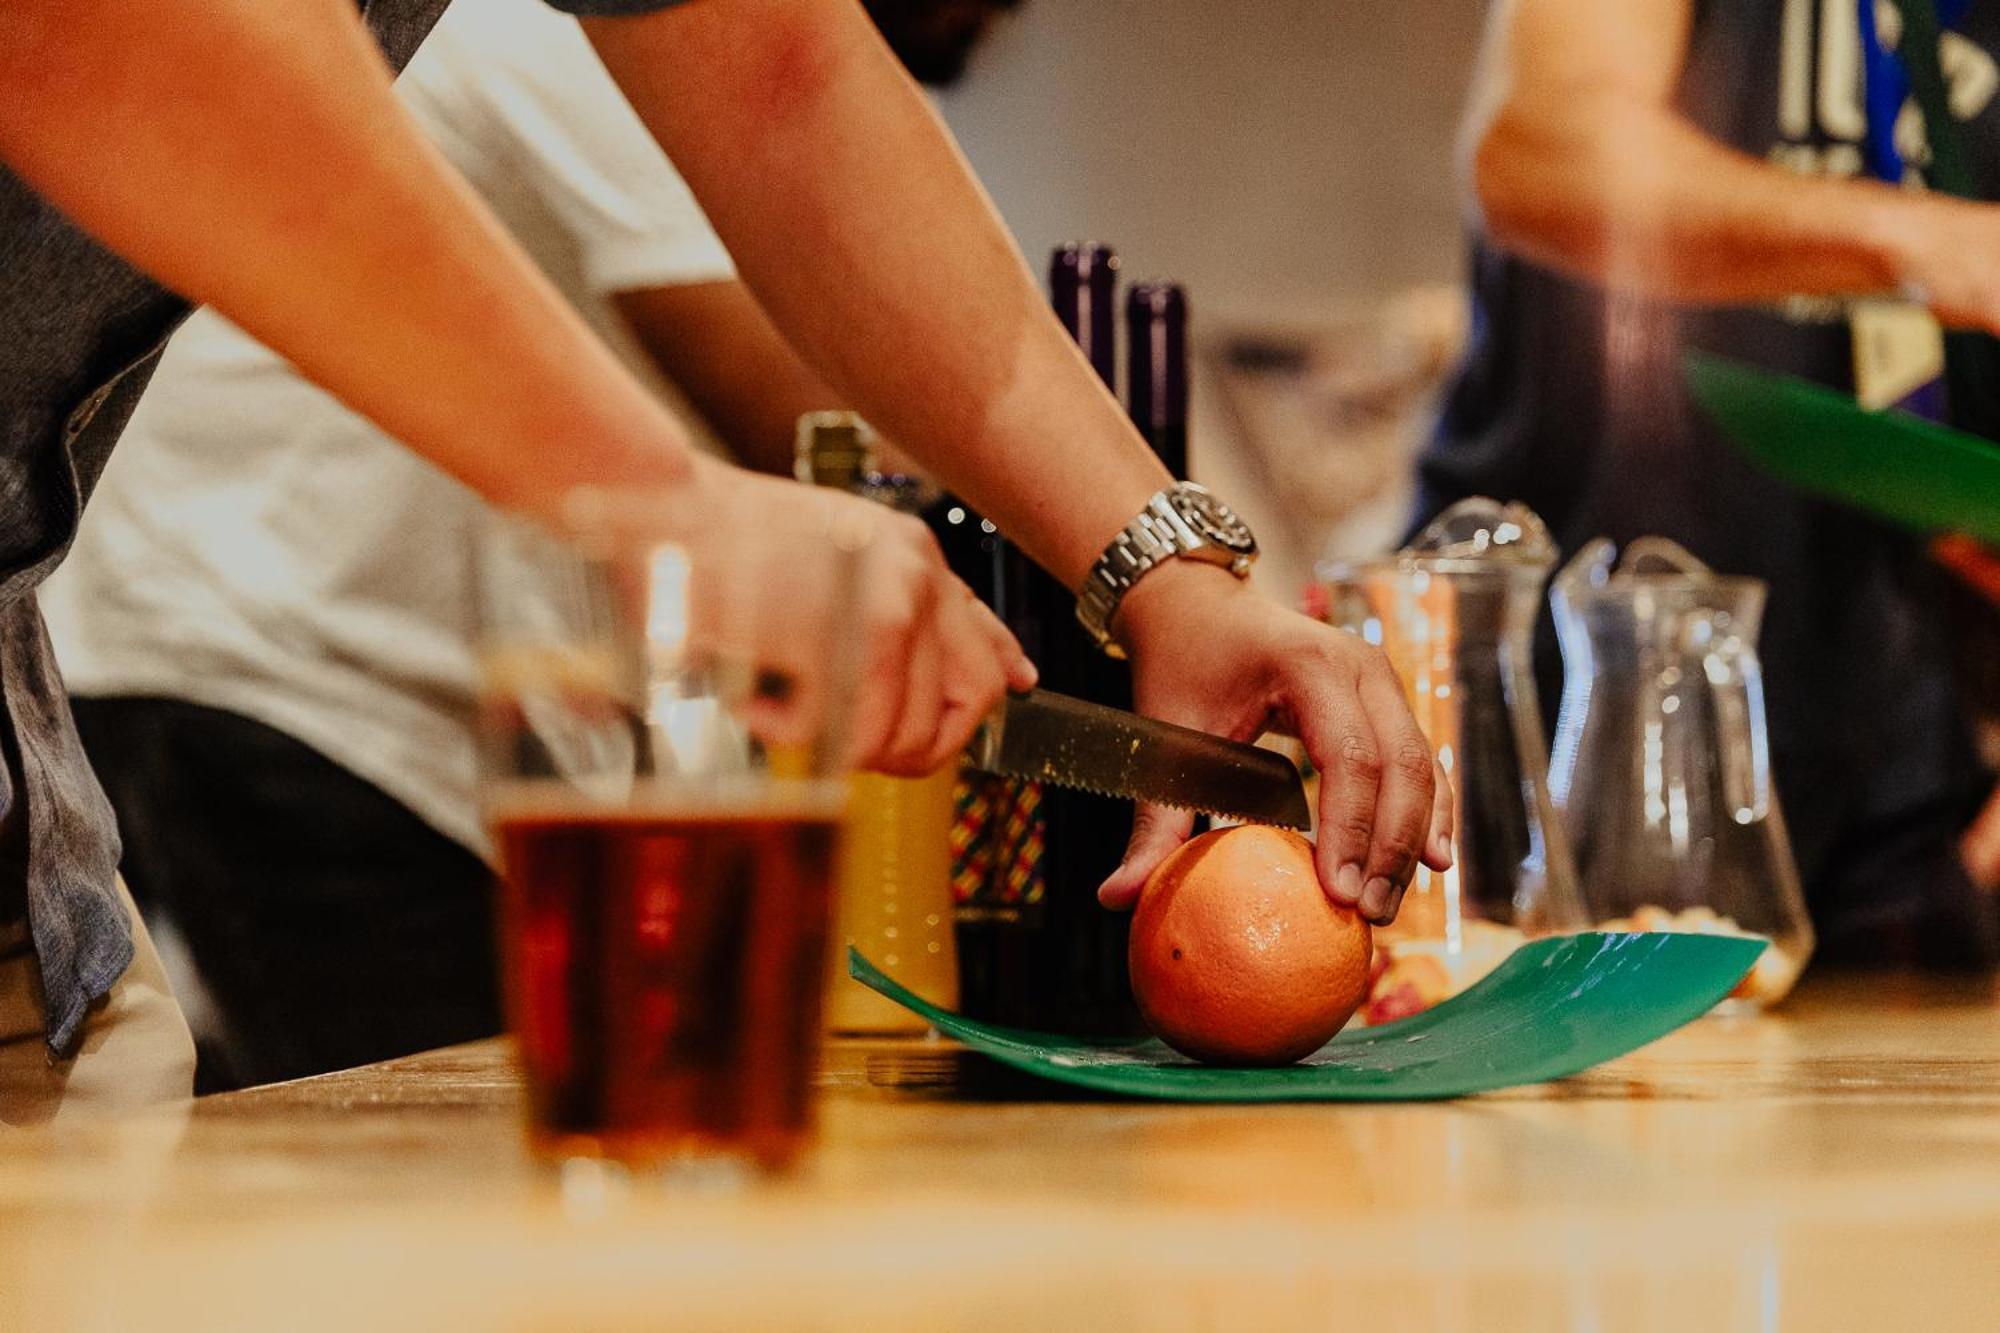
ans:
x=1035 y=949
x=1083 y=287
x=1082 y=947
x=999 y=879
x=1156 y=369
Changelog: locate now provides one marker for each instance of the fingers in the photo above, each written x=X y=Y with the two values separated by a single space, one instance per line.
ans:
x=1156 y=831
x=1438 y=854
x=1405 y=799
x=1979 y=849
x=978 y=670
x=938 y=660
x=1021 y=673
x=890 y=628
x=1341 y=741
x=1380 y=795
x=910 y=746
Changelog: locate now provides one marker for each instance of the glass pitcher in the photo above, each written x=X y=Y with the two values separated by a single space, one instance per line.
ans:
x=1662 y=768
x=1455 y=612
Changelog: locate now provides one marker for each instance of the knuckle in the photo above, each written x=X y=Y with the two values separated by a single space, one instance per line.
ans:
x=915 y=536
x=1344 y=658
x=1359 y=757
x=1414 y=761
x=1376 y=665
x=1355 y=828
x=1354 y=651
x=1397 y=849
x=895 y=615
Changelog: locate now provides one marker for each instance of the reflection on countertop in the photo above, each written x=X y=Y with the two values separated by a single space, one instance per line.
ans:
x=1835 y=1164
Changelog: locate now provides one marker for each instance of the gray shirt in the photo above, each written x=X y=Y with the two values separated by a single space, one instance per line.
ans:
x=80 y=333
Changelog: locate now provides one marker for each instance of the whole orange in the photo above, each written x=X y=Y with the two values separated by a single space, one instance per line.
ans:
x=1238 y=957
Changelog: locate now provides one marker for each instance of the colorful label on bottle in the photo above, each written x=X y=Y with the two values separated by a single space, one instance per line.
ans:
x=997 y=845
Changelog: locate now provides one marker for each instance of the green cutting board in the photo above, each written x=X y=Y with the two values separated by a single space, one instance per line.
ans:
x=1554 y=1008
x=1911 y=471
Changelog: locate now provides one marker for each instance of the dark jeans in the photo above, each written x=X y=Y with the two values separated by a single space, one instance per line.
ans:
x=330 y=925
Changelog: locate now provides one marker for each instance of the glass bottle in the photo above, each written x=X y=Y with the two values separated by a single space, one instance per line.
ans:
x=1156 y=369
x=1036 y=949
x=893 y=883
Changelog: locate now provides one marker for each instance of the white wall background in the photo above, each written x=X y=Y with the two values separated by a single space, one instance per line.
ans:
x=1282 y=157
x=1289 y=160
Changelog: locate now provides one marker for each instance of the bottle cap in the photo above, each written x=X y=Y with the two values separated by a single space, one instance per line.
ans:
x=834 y=449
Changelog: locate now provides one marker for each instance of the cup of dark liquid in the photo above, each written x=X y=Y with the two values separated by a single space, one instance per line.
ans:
x=661 y=746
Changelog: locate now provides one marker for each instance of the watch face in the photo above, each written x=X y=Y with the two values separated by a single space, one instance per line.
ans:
x=1214 y=520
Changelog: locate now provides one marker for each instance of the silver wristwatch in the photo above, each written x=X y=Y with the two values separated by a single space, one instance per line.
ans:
x=1184 y=520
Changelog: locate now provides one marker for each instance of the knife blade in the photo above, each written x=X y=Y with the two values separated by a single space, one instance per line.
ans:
x=1048 y=737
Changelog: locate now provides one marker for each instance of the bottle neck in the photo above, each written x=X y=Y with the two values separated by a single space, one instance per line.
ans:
x=834 y=449
x=1157 y=369
x=1083 y=287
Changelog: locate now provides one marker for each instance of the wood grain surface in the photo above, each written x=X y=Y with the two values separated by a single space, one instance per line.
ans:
x=1833 y=1166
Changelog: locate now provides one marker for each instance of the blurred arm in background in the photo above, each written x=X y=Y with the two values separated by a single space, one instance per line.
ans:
x=1579 y=159
x=718 y=347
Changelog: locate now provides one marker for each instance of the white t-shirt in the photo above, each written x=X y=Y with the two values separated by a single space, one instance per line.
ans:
x=254 y=546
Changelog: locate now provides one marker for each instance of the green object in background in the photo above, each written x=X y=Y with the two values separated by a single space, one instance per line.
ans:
x=1554 y=1008
x=1914 y=472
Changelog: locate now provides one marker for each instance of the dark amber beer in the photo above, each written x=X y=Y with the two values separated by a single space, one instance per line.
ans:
x=666 y=966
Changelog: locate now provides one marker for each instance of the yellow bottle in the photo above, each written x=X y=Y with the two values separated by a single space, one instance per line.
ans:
x=892 y=891
x=892 y=900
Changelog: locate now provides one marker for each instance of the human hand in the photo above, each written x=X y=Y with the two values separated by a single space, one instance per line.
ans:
x=1979 y=846
x=1947 y=256
x=929 y=660
x=1209 y=652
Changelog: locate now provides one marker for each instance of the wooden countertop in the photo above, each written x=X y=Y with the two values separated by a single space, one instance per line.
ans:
x=1836 y=1166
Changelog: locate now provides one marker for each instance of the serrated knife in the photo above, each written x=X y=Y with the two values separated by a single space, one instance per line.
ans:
x=1048 y=737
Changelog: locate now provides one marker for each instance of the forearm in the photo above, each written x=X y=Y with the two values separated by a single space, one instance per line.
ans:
x=861 y=231
x=253 y=157
x=1633 y=196
x=716 y=345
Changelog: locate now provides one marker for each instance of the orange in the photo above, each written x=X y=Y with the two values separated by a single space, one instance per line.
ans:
x=1238 y=957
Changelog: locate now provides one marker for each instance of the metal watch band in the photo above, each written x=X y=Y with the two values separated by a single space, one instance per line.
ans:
x=1158 y=534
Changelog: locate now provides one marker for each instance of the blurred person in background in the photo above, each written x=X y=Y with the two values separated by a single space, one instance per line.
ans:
x=266 y=623
x=1659 y=175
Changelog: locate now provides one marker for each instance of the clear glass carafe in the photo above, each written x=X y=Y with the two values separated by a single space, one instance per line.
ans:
x=1455 y=613
x=1662 y=768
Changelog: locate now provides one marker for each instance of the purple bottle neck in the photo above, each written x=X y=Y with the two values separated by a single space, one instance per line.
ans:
x=1083 y=285
x=1156 y=315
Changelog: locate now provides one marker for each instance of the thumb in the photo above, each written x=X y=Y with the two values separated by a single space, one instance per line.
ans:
x=1156 y=831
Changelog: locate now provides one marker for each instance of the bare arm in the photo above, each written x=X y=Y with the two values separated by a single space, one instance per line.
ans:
x=715 y=343
x=852 y=217
x=1579 y=159
x=718 y=346
x=796 y=129
x=252 y=156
